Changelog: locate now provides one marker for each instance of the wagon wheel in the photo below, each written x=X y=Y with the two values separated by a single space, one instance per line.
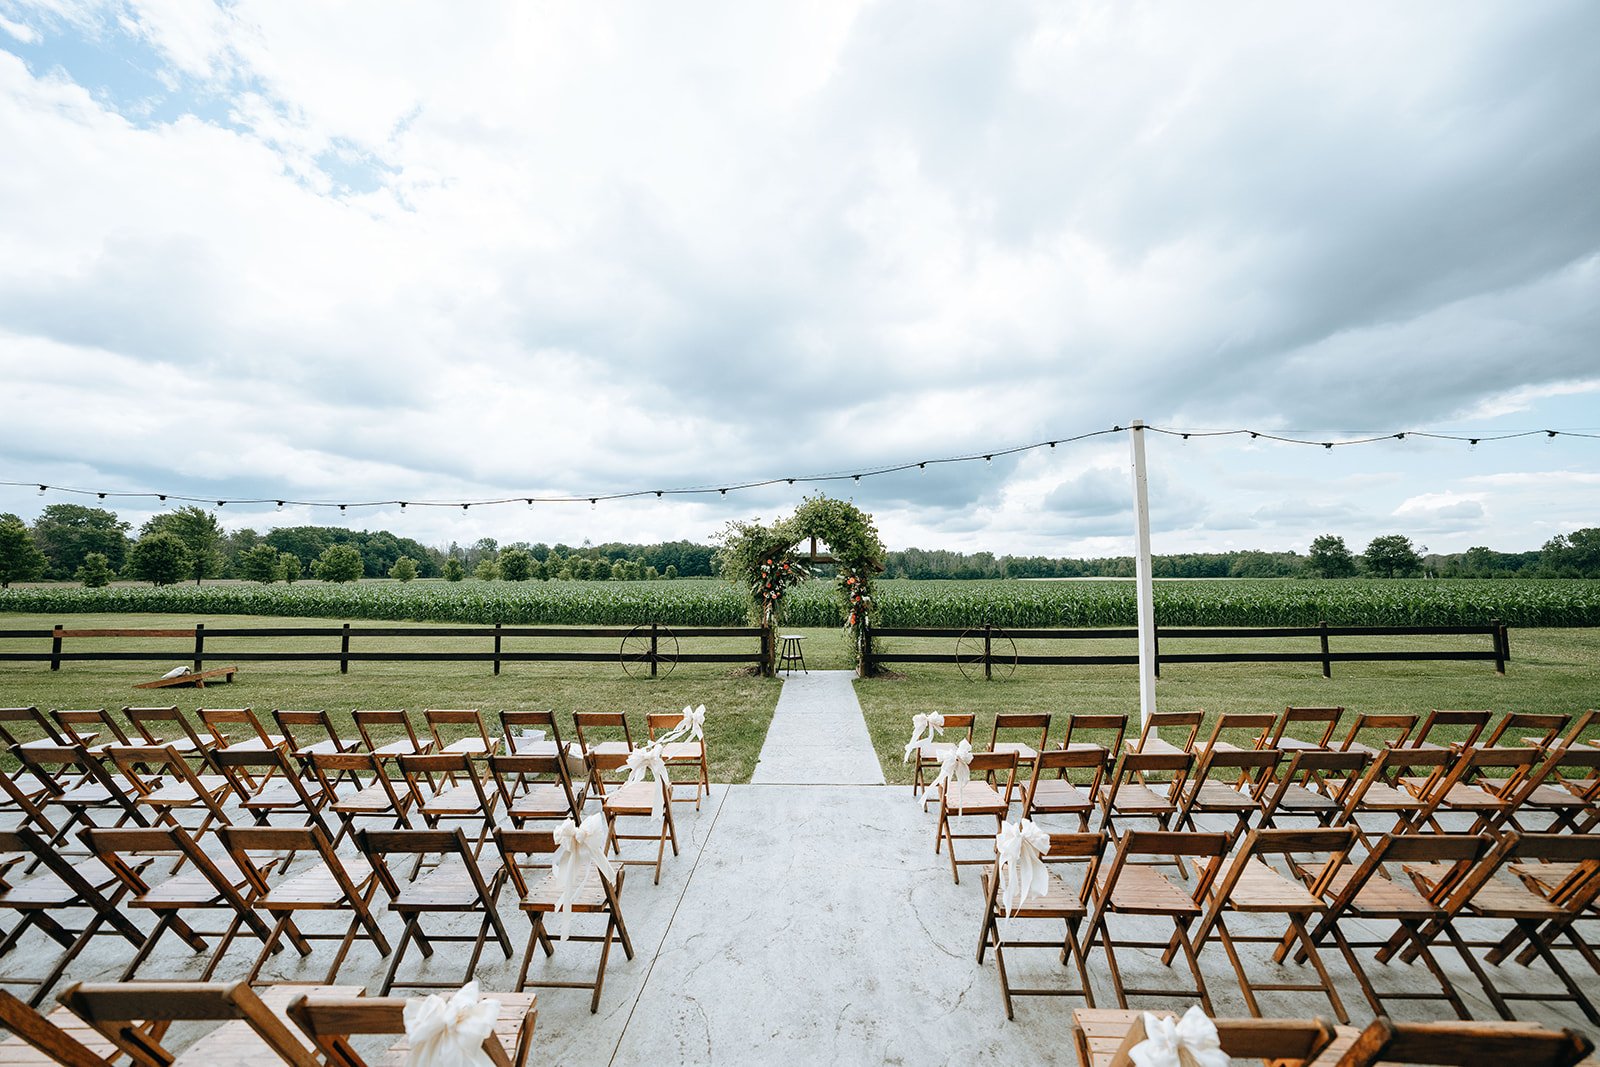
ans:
x=636 y=655
x=1002 y=654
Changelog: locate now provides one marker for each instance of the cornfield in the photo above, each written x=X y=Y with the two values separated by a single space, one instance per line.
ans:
x=901 y=602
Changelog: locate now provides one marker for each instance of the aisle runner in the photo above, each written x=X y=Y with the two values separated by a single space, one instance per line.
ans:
x=818 y=735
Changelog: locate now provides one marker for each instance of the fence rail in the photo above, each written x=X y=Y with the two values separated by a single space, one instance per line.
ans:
x=990 y=648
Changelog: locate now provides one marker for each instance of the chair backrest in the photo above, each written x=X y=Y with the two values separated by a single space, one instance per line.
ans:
x=588 y=722
x=217 y=718
x=45 y=1036
x=378 y=845
x=1059 y=761
x=509 y=772
x=1464 y=1044
x=1282 y=1041
x=330 y=768
x=1464 y=851
x=91 y=721
x=1473 y=722
x=1261 y=723
x=1096 y=723
x=129 y=1013
x=251 y=771
x=13 y=718
x=1023 y=720
x=368 y=718
x=468 y=717
x=142 y=720
x=1173 y=720
x=604 y=763
x=1293 y=716
x=1580 y=724
x=148 y=767
x=1368 y=724
x=956 y=722
x=319 y=721
x=1519 y=724
x=514 y=722
x=50 y=763
x=1331 y=847
x=24 y=840
x=241 y=841
x=331 y=1021
x=516 y=845
x=418 y=771
x=1388 y=762
x=1328 y=771
x=987 y=763
x=661 y=721
x=1136 y=844
x=1577 y=769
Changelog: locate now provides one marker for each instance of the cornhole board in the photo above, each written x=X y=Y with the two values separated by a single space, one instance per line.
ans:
x=198 y=680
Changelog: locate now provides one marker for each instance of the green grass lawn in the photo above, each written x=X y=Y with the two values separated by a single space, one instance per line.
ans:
x=1550 y=671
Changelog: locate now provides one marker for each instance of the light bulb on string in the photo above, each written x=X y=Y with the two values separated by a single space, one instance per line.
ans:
x=1472 y=444
x=279 y=507
x=593 y=504
x=161 y=499
x=101 y=496
x=42 y=488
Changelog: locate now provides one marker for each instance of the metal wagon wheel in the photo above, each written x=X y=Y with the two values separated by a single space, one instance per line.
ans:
x=649 y=652
x=1002 y=653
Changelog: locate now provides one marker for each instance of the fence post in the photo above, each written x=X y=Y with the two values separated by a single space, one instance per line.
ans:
x=1505 y=641
x=1499 y=646
x=344 y=650
x=865 y=668
x=55 y=649
x=497 y=650
x=1155 y=650
x=199 y=647
x=653 y=636
x=987 y=641
x=766 y=650
x=1327 y=661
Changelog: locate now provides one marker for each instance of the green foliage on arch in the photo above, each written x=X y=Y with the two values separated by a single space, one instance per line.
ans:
x=763 y=559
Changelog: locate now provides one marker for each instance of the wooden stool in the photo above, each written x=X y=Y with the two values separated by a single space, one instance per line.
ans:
x=789 y=653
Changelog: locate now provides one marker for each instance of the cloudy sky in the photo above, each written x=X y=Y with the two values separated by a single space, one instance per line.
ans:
x=353 y=251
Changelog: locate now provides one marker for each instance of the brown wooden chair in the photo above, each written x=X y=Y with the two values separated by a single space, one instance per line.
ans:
x=1472 y=722
x=956 y=726
x=536 y=788
x=375 y=724
x=1229 y=781
x=528 y=863
x=1250 y=729
x=214 y=883
x=631 y=800
x=975 y=799
x=317 y=733
x=476 y=741
x=1376 y=891
x=1484 y=783
x=93 y=728
x=455 y=887
x=163 y=782
x=1371 y=732
x=1527 y=728
x=331 y=1021
x=1150 y=740
x=1315 y=784
x=22 y=795
x=684 y=753
x=1047 y=795
x=332 y=883
x=513 y=724
x=167 y=727
x=253 y=735
x=1030 y=744
x=464 y=801
x=24 y=726
x=1248 y=884
x=1308 y=719
x=59 y=1040
x=1083 y=730
x=1132 y=885
x=266 y=783
x=1405 y=807
x=1564 y=787
x=1127 y=794
x=44 y=899
x=1463 y=1044
x=1105 y=1036
x=80 y=786
x=134 y=1016
x=596 y=729
x=1062 y=903
x=377 y=797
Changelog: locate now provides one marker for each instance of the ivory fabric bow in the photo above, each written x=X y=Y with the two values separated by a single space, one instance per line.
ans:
x=954 y=768
x=690 y=728
x=580 y=850
x=1166 y=1039
x=649 y=759
x=924 y=729
x=450 y=1033
x=1023 y=874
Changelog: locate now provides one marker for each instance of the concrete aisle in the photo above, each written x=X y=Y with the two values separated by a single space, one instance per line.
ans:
x=818 y=735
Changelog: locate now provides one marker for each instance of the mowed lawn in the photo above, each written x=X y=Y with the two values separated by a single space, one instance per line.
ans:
x=739 y=705
x=1555 y=670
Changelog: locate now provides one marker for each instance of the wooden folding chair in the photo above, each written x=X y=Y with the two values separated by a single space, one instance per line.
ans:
x=19 y=725
x=22 y=795
x=42 y=899
x=1526 y=728
x=330 y=1022
x=254 y=734
x=80 y=785
x=374 y=724
x=1106 y=1036
x=377 y=798
x=93 y=728
x=536 y=788
x=316 y=725
x=164 y=783
x=464 y=801
x=1249 y=885
x=1464 y=1044
x=1127 y=794
x=1473 y=722
x=518 y=727
x=1061 y=903
x=1242 y=724
x=332 y=883
x=167 y=727
x=456 y=888
x=1132 y=885
x=1229 y=781
x=477 y=741
x=975 y=799
x=1025 y=722
x=1484 y=783
x=1564 y=787
x=1315 y=784
x=1059 y=795
x=1407 y=806
x=1376 y=891
x=686 y=753
x=214 y=884
x=1304 y=718
x=133 y=1016
x=631 y=800
x=266 y=783
x=1150 y=740
x=587 y=723
x=1370 y=733
x=1085 y=727
x=933 y=752
x=59 y=1040
x=538 y=899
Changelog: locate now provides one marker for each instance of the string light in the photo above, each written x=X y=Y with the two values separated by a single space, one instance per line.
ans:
x=854 y=476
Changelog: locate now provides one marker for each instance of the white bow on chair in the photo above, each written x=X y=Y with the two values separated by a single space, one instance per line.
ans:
x=924 y=729
x=690 y=728
x=955 y=767
x=580 y=850
x=1023 y=874
x=649 y=759
x=1168 y=1042
x=450 y=1033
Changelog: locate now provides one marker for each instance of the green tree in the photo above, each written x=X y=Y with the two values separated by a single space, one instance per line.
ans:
x=1574 y=555
x=516 y=565
x=160 y=558
x=261 y=563
x=404 y=569
x=20 y=558
x=289 y=566
x=619 y=571
x=95 y=573
x=66 y=533
x=671 y=571
x=1329 y=558
x=339 y=563
x=487 y=570
x=536 y=570
x=197 y=528
x=1392 y=556
x=453 y=570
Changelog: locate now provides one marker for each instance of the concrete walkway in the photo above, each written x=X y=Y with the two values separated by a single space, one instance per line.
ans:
x=818 y=735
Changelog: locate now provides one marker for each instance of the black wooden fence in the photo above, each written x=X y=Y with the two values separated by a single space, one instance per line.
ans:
x=991 y=648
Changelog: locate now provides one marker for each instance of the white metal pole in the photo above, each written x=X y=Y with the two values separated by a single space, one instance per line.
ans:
x=1143 y=591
